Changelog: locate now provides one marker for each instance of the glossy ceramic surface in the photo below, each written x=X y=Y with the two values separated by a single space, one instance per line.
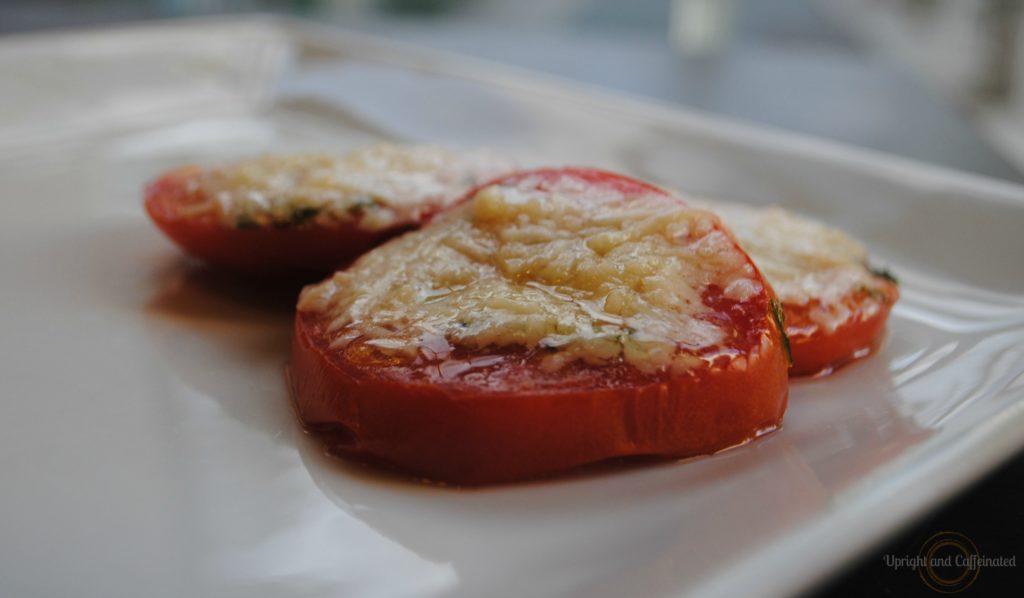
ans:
x=147 y=445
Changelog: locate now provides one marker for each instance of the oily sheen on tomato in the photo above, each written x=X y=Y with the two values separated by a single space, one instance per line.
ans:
x=818 y=348
x=835 y=307
x=554 y=318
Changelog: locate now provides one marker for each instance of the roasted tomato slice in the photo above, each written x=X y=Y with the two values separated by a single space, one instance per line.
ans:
x=310 y=212
x=835 y=306
x=555 y=318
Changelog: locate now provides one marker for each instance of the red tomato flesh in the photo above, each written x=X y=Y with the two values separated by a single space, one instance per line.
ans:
x=818 y=351
x=259 y=250
x=494 y=415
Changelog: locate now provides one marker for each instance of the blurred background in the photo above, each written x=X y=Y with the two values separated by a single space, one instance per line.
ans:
x=935 y=80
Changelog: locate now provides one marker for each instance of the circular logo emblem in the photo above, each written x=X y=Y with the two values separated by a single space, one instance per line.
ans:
x=951 y=562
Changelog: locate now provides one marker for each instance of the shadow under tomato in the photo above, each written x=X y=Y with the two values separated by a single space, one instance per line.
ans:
x=191 y=290
x=227 y=338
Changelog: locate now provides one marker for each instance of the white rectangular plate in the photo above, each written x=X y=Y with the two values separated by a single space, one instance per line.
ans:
x=146 y=439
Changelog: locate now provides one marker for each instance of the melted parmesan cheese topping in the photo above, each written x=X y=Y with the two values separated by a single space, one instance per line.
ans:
x=806 y=262
x=380 y=187
x=572 y=272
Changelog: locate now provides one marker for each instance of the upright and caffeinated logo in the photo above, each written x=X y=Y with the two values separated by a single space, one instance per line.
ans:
x=948 y=562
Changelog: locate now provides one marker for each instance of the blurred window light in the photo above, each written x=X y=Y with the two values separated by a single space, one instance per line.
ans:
x=700 y=27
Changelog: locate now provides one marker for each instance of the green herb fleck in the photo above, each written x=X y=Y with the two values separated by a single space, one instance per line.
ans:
x=246 y=221
x=303 y=214
x=885 y=273
x=876 y=294
x=362 y=205
x=780 y=320
x=285 y=217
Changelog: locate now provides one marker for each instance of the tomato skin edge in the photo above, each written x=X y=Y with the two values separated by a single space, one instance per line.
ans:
x=820 y=353
x=587 y=174
x=473 y=439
